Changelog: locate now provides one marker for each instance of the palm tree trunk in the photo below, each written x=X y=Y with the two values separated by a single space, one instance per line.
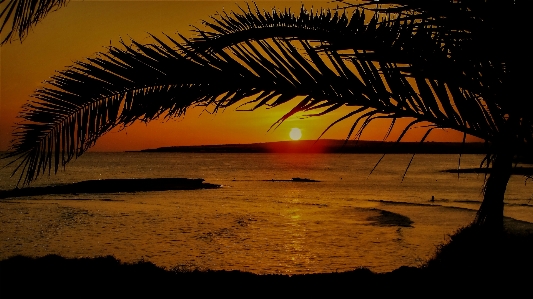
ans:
x=490 y=214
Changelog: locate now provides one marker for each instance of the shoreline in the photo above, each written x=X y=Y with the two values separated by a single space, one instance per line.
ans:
x=112 y=186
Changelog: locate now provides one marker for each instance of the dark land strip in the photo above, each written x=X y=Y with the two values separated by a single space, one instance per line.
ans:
x=331 y=146
x=527 y=171
x=124 y=185
x=474 y=263
x=436 y=202
x=112 y=186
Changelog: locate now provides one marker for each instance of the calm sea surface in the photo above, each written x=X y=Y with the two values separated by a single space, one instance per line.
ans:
x=349 y=219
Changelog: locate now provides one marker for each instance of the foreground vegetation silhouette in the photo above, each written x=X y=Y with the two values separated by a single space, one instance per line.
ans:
x=475 y=262
x=441 y=63
x=17 y=17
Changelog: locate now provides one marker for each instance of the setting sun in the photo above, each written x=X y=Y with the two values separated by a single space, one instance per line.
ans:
x=295 y=134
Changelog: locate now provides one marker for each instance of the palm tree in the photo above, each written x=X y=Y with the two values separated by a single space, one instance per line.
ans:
x=409 y=61
x=17 y=17
x=487 y=38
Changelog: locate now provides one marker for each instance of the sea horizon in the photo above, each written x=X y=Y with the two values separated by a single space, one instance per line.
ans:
x=325 y=146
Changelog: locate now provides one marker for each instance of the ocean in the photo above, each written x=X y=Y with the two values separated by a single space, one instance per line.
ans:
x=258 y=220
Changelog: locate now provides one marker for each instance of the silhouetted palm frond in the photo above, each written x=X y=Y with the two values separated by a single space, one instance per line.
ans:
x=489 y=38
x=390 y=69
x=17 y=17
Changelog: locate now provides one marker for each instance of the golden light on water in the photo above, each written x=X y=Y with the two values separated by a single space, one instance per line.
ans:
x=295 y=134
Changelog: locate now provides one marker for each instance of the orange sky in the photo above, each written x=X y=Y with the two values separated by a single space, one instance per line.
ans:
x=84 y=28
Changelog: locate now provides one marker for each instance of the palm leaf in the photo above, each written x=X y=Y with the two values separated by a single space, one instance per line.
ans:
x=254 y=59
x=17 y=17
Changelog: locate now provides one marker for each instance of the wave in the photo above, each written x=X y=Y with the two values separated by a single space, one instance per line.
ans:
x=386 y=218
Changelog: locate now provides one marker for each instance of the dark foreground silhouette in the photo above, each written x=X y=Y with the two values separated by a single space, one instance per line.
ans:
x=474 y=262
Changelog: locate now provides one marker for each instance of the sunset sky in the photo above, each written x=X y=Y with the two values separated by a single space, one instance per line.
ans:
x=83 y=28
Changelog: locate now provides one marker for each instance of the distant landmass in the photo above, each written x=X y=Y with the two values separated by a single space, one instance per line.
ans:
x=331 y=146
